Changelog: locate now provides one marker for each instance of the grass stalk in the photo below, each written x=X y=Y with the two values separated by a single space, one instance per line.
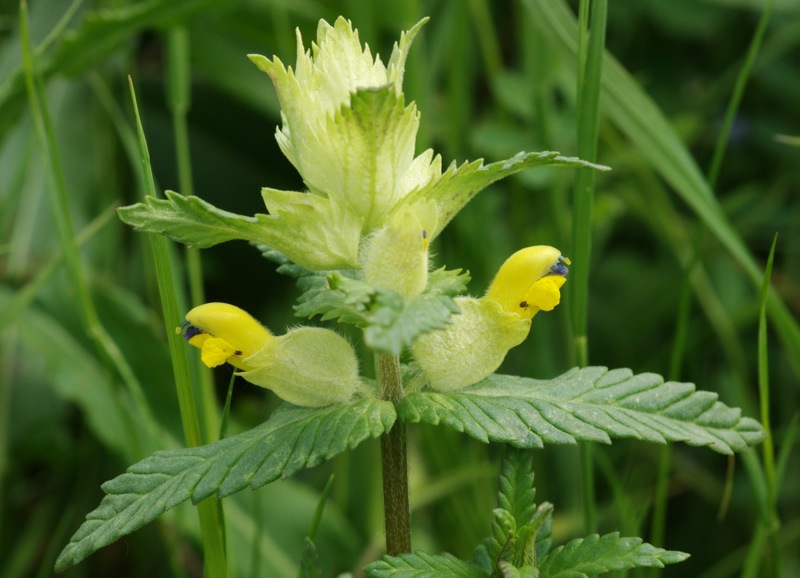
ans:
x=487 y=37
x=179 y=102
x=768 y=449
x=211 y=528
x=394 y=462
x=588 y=103
x=736 y=97
x=658 y=526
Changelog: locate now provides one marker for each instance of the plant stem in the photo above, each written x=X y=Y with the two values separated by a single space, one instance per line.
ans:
x=394 y=462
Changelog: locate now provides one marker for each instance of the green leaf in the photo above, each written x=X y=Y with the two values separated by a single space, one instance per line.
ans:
x=454 y=188
x=590 y=404
x=305 y=278
x=292 y=439
x=309 y=562
x=517 y=521
x=421 y=565
x=337 y=297
x=501 y=542
x=193 y=221
x=543 y=522
x=308 y=228
x=517 y=492
x=508 y=570
x=390 y=322
x=584 y=557
x=396 y=323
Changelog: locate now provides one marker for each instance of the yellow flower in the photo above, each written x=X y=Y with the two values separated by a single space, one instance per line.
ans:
x=477 y=339
x=529 y=281
x=308 y=366
x=224 y=333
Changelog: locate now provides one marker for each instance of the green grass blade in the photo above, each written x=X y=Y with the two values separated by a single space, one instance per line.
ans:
x=736 y=97
x=591 y=41
x=768 y=450
x=179 y=100
x=211 y=527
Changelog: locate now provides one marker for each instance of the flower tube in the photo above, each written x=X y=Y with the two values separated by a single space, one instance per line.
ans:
x=477 y=339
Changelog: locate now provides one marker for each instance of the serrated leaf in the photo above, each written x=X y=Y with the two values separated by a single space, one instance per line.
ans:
x=447 y=282
x=504 y=528
x=516 y=521
x=454 y=188
x=285 y=265
x=517 y=493
x=508 y=570
x=421 y=565
x=396 y=323
x=390 y=322
x=338 y=297
x=309 y=229
x=590 y=404
x=193 y=221
x=584 y=557
x=543 y=522
x=309 y=561
x=292 y=439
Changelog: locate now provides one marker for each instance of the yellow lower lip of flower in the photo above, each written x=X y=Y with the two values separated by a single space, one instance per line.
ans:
x=545 y=294
x=529 y=281
x=224 y=333
x=215 y=351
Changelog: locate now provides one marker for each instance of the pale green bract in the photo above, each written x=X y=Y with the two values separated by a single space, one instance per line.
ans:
x=347 y=130
x=292 y=439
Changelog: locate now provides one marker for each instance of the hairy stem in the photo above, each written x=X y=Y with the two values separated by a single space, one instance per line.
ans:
x=394 y=462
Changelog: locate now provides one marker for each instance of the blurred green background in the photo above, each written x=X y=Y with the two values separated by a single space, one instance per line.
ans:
x=490 y=78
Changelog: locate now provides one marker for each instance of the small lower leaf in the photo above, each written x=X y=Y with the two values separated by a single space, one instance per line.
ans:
x=421 y=565
x=584 y=557
x=390 y=322
x=589 y=404
x=309 y=562
x=517 y=491
x=292 y=439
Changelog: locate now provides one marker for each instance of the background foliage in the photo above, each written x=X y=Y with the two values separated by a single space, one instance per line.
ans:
x=490 y=78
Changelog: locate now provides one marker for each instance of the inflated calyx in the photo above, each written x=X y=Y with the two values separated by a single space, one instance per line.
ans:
x=308 y=366
x=477 y=339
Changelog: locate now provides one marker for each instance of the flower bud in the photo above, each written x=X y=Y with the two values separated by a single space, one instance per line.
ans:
x=308 y=366
x=396 y=256
x=476 y=341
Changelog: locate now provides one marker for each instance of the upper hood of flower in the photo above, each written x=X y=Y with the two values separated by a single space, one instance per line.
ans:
x=348 y=131
x=529 y=281
x=346 y=127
